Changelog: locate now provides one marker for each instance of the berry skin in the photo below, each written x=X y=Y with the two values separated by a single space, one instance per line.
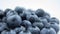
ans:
x=8 y=32
x=47 y=16
x=2 y=26
x=4 y=19
x=19 y=10
x=19 y=29
x=34 y=30
x=26 y=23
x=43 y=20
x=24 y=15
x=39 y=24
x=54 y=20
x=7 y=10
x=39 y=12
x=27 y=12
x=47 y=31
x=12 y=32
x=1 y=14
x=52 y=31
x=31 y=11
x=32 y=18
x=55 y=26
x=4 y=32
x=25 y=32
x=14 y=21
x=10 y=13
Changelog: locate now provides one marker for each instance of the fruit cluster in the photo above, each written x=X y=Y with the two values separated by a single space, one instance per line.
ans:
x=27 y=21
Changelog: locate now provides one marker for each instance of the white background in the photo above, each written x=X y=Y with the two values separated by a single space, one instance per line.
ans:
x=50 y=6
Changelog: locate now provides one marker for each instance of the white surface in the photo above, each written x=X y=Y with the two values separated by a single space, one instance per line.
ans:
x=50 y=6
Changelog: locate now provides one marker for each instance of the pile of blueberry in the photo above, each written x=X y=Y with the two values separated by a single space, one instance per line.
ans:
x=27 y=21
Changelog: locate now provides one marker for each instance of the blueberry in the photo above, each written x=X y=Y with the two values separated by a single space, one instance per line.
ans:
x=43 y=20
x=19 y=9
x=52 y=31
x=8 y=32
x=7 y=10
x=47 y=25
x=19 y=29
x=4 y=19
x=14 y=21
x=54 y=20
x=1 y=14
x=47 y=31
x=39 y=12
x=24 y=14
x=39 y=24
x=55 y=26
x=26 y=23
x=12 y=32
x=10 y=13
x=26 y=31
x=34 y=30
x=31 y=11
x=32 y=18
x=2 y=26
x=47 y=16
x=4 y=32
x=27 y=12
